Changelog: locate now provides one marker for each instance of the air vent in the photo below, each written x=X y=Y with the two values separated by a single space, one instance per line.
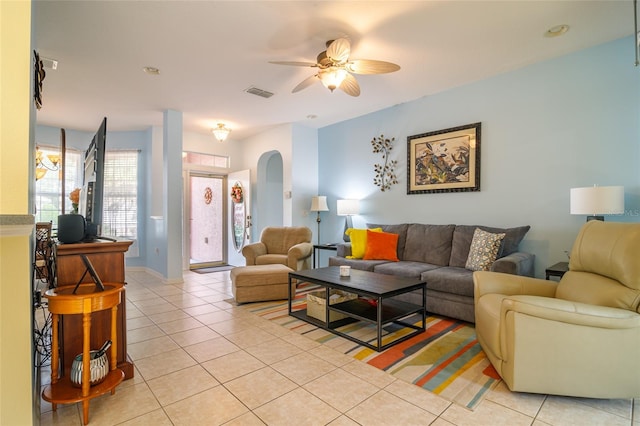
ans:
x=259 y=92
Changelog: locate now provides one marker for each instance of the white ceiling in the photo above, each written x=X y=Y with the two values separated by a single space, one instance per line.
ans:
x=209 y=52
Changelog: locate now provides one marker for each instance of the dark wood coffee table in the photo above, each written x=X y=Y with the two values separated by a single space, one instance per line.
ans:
x=378 y=287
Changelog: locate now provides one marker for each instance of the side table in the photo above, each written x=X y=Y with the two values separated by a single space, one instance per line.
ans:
x=85 y=301
x=316 y=247
x=556 y=270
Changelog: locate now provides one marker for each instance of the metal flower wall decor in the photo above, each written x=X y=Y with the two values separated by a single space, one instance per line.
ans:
x=385 y=174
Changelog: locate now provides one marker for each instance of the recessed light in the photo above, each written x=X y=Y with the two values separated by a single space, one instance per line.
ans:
x=151 y=70
x=556 y=31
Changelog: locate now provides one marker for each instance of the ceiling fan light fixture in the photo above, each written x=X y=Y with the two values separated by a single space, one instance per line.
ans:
x=221 y=132
x=332 y=77
x=335 y=69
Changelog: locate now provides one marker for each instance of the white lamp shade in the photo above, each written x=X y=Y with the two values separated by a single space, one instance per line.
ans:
x=348 y=207
x=597 y=200
x=319 y=204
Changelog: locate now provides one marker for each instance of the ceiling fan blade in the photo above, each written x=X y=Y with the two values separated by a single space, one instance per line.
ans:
x=350 y=86
x=339 y=50
x=294 y=63
x=370 y=66
x=305 y=83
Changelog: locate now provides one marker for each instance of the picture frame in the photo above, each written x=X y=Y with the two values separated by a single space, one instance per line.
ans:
x=444 y=161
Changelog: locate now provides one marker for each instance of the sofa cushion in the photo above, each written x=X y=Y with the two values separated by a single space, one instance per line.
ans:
x=363 y=265
x=358 y=239
x=381 y=246
x=463 y=235
x=400 y=229
x=404 y=268
x=450 y=280
x=268 y=259
x=484 y=250
x=429 y=244
x=594 y=289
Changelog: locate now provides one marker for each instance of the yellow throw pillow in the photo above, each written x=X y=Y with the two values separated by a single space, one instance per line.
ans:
x=381 y=246
x=358 y=239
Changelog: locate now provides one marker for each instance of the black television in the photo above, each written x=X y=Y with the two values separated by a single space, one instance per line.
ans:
x=92 y=195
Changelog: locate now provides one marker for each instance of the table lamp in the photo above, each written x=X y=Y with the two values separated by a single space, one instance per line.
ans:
x=348 y=208
x=595 y=201
x=319 y=204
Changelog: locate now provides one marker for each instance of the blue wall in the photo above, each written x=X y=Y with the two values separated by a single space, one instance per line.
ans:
x=569 y=122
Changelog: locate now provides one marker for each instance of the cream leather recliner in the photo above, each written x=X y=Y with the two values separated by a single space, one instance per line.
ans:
x=290 y=246
x=577 y=337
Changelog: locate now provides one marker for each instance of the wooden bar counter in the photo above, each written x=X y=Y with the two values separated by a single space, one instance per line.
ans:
x=107 y=258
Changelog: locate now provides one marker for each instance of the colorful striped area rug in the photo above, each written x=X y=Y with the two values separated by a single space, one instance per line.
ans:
x=446 y=359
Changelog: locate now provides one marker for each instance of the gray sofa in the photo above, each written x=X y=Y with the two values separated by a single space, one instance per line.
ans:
x=438 y=255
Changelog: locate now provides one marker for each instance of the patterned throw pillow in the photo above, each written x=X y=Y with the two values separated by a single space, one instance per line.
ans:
x=358 y=239
x=484 y=250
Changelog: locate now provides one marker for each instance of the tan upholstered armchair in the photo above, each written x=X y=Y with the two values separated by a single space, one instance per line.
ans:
x=290 y=246
x=579 y=337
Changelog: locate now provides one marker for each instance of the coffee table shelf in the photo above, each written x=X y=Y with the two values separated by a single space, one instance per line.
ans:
x=302 y=314
x=392 y=310
x=378 y=287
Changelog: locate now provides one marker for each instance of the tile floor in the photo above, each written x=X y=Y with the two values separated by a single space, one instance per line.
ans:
x=200 y=360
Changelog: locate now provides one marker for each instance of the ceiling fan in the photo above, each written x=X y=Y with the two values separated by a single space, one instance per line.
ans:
x=335 y=68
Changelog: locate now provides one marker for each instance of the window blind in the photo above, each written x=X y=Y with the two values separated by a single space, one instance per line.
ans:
x=120 y=201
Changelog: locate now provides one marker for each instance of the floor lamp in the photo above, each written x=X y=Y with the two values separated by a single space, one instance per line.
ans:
x=347 y=208
x=319 y=204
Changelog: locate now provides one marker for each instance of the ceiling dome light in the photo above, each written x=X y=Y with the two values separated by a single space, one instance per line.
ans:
x=556 y=31
x=221 y=132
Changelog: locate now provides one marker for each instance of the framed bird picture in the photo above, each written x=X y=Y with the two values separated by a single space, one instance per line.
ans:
x=444 y=161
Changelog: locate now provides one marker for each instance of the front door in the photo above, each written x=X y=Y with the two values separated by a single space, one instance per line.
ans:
x=207 y=226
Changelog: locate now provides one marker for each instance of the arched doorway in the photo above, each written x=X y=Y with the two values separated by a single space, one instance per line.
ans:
x=267 y=208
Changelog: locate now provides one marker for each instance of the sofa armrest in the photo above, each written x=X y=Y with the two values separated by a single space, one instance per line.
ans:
x=298 y=254
x=253 y=250
x=542 y=339
x=343 y=249
x=569 y=312
x=486 y=282
x=518 y=263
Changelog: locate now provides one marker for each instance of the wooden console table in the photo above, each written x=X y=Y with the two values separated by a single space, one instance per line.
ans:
x=85 y=302
x=108 y=259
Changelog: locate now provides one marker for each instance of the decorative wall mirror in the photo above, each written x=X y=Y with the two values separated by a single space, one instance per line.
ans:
x=238 y=213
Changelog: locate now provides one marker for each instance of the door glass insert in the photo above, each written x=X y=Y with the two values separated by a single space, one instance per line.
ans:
x=206 y=224
x=239 y=215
